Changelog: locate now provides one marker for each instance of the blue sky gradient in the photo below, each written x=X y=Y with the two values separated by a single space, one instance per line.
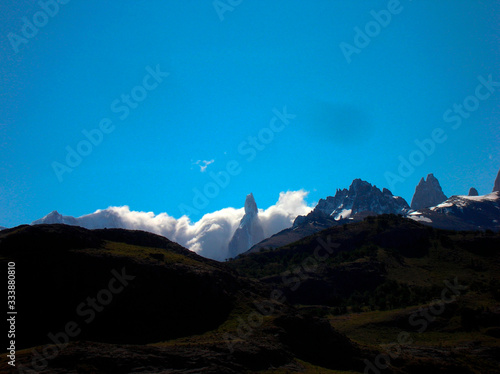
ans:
x=226 y=80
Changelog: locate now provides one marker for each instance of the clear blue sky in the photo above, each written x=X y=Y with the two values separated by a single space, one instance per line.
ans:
x=353 y=120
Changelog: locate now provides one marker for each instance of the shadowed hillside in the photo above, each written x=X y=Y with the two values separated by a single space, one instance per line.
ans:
x=119 y=301
x=85 y=293
x=389 y=275
x=166 y=290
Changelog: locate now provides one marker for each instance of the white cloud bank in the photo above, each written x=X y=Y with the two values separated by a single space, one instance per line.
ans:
x=209 y=237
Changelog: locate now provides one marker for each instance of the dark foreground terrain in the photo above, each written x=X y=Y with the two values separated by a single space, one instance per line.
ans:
x=384 y=295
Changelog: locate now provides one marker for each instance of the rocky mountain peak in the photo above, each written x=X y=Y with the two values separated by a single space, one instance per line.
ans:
x=250 y=205
x=250 y=230
x=427 y=193
x=360 y=197
x=54 y=214
x=52 y=217
x=385 y=191
x=473 y=192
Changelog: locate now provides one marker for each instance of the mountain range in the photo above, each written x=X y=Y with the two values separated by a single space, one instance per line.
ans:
x=360 y=198
x=330 y=293
x=429 y=205
x=122 y=301
x=459 y=212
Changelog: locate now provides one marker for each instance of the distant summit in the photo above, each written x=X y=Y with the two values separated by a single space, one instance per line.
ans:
x=473 y=192
x=250 y=230
x=106 y=218
x=360 y=198
x=348 y=205
x=427 y=193
x=56 y=217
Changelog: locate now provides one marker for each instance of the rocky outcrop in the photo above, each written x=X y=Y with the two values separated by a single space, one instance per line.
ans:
x=473 y=192
x=427 y=193
x=496 y=187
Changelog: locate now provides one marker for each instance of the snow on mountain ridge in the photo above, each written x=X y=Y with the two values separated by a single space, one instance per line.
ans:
x=490 y=196
x=360 y=197
x=462 y=212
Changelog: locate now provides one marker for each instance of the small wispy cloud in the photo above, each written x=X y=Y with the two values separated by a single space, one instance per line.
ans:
x=203 y=164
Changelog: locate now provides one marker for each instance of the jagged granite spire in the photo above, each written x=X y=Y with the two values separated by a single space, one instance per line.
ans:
x=427 y=193
x=250 y=230
x=250 y=206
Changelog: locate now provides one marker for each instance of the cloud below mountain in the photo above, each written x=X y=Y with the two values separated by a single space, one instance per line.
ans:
x=209 y=236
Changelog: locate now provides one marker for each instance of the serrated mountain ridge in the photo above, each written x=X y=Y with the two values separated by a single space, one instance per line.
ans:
x=361 y=197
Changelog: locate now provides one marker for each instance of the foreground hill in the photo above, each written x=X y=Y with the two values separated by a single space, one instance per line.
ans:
x=118 y=301
x=340 y=301
x=59 y=267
